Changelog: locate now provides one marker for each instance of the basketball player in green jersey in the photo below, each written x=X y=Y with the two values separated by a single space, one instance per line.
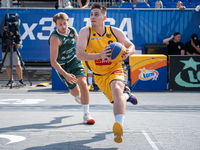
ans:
x=63 y=59
x=92 y=47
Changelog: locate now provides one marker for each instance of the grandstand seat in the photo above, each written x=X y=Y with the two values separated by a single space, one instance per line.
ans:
x=114 y=7
x=195 y=2
x=189 y=6
x=128 y=7
x=165 y=2
x=151 y=1
x=185 y=3
x=125 y=4
x=172 y=6
x=153 y=4
x=142 y=5
x=181 y=0
x=169 y=4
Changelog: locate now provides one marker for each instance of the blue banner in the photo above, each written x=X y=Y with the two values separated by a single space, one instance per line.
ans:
x=140 y=26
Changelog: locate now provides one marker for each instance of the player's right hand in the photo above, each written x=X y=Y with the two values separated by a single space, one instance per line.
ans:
x=105 y=52
x=71 y=78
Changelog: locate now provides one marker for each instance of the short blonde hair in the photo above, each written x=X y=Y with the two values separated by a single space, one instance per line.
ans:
x=60 y=15
x=179 y=2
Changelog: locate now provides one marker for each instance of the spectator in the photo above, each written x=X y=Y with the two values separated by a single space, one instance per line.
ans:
x=68 y=4
x=197 y=8
x=175 y=47
x=192 y=47
x=126 y=1
x=158 y=4
x=179 y=5
x=83 y=3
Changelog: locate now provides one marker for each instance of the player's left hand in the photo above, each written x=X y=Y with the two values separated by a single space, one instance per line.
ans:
x=127 y=53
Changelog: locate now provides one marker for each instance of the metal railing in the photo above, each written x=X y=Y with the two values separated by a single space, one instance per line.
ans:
x=61 y=3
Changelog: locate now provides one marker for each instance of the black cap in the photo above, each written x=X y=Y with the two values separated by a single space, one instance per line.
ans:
x=194 y=38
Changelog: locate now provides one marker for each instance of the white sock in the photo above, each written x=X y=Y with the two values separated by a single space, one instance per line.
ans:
x=90 y=80
x=85 y=109
x=119 y=118
x=126 y=95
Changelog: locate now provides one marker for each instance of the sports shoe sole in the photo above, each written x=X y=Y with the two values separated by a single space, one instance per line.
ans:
x=92 y=121
x=135 y=102
x=118 y=131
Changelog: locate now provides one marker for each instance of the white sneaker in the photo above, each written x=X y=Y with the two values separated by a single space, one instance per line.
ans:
x=78 y=99
x=88 y=119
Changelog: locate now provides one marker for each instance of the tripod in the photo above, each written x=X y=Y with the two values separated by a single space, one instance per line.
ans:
x=10 y=46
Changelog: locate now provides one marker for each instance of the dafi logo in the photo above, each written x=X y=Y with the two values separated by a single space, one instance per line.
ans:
x=146 y=75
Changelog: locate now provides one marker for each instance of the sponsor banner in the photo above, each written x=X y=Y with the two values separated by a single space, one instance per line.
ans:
x=184 y=72
x=140 y=26
x=148 y=72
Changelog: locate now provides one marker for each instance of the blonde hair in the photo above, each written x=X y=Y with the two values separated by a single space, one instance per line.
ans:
x=179 y=2
x=60 y=15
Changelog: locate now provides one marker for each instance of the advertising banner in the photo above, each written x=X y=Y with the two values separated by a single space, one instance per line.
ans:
x=140 y=26
x=148 y=72
x=184 y=72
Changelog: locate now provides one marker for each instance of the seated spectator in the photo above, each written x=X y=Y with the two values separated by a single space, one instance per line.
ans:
x=68 y=4
x=197 y=8
x=83 y=3
x=158 y=4
x=140 y=1
x=192 y=47
x=127 y=1
x=175 y=47
x=179 y=5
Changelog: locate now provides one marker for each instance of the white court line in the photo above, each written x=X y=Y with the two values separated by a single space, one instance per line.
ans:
x=149 y=140
x=43 y=93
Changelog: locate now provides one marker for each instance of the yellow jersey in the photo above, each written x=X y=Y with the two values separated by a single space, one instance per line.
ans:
x=96 y=44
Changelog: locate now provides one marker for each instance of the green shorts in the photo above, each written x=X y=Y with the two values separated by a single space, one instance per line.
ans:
x=74 y=67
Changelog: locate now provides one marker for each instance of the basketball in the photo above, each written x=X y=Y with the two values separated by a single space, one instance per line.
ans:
x=118 y=52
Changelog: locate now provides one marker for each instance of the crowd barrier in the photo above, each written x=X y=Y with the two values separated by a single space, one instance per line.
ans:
x=148 y=72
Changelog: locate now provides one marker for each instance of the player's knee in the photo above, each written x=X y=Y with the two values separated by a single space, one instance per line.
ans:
x=82 y=84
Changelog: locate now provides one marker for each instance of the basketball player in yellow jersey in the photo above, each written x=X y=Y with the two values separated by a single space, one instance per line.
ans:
x=92 y=47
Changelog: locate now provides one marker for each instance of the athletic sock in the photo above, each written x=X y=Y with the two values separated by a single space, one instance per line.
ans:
x=85 y=109
x=119 y=118
x=90 y=80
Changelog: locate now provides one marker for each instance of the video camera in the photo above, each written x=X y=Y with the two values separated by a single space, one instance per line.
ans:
x=9 y=29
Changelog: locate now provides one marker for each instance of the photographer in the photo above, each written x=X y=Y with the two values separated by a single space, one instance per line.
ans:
x=6 y=36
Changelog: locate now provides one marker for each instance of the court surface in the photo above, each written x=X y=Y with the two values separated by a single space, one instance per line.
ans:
x=37 y=118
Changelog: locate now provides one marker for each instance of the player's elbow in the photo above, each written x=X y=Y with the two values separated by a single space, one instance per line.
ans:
x=78 y=55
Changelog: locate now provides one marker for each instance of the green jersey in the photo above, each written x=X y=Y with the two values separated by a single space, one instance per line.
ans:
x=67 y=50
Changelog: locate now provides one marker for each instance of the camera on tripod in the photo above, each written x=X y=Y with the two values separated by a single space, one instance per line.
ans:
x=10 y=35
x=10 y=28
